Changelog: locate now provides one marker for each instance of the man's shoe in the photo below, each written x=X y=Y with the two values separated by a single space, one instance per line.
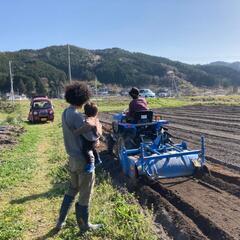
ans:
x=82 y=216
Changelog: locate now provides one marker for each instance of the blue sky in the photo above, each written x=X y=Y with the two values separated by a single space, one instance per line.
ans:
x=193 y=31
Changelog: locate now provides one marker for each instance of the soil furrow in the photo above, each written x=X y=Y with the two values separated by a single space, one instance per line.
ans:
x=208 y=116
x=219 y=126
x=209 y=209
x=213 y=143
x=223 y=149
x=204 y=119
x=227 y=136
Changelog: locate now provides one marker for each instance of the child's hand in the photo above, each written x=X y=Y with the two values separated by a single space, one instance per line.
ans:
x=91 y=122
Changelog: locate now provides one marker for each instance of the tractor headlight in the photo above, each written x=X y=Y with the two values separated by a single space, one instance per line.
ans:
x=35 y=113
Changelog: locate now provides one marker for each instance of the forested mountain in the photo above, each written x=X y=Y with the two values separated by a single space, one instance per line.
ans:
x=234 y=65
x=45 y=70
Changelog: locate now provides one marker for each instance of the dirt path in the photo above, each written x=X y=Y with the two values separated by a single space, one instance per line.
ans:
x=40 y=209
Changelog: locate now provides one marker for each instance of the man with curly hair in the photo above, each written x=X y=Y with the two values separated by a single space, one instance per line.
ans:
x=82 y=182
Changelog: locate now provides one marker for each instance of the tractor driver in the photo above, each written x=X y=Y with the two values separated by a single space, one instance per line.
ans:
x=137 y=104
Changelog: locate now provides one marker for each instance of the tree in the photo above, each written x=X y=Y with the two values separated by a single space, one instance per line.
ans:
x=21 y=87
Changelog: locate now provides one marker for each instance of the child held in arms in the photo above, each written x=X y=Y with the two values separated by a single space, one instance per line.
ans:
x=90 y=139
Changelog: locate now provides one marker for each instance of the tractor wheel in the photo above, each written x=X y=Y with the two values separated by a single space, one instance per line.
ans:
x=115 y=127
x=110 y=144
x=123 y=141
x=119 y=145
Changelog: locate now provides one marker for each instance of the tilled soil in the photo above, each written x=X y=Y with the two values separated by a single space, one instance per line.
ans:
x=217 y=213
x=187 y=207
x=205 y=206
x=9 y=135
x=219 y=124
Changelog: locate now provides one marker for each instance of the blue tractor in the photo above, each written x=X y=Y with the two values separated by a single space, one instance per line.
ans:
x=144 y=147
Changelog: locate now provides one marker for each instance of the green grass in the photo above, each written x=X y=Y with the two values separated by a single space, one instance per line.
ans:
x=11 y=224
x=121 y=103
x=18 y=164
x=17 y=167
x=120 y=215
x=233 y=100
x=166 y=102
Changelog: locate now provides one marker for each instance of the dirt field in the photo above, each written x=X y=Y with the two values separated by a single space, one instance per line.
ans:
x=8 y=135
x=219 y=124
x=206 y=207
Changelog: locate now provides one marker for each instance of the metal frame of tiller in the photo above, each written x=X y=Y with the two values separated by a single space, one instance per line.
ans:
x=164 y=152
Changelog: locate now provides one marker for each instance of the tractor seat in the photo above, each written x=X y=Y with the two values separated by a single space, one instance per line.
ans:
x=143 y=116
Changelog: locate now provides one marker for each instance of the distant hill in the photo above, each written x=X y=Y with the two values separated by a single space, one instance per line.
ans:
x=45 y=70
x=233 y=65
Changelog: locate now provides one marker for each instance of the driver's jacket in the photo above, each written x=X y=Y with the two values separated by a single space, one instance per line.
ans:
x=137 y=105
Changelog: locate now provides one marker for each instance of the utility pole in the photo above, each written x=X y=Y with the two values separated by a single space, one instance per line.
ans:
x=11 y=80
x=69 y=65
x=174 y=86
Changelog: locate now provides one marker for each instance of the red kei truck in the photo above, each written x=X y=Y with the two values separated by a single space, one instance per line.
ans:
x=41 y=110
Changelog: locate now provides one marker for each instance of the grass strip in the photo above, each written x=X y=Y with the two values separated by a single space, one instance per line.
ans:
x=17 y=164
x=11 y=224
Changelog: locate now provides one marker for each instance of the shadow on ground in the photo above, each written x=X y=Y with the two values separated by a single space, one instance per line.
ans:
x=56 y=191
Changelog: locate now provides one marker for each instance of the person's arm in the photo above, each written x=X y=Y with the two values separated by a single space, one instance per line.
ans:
x=83 y=129
x=77 y=124
x=146 y=103
x=128 y=114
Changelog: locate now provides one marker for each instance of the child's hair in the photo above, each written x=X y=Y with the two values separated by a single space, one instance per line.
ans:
x=90 y=109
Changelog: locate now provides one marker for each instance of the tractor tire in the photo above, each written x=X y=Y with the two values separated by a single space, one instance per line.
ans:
x=119 y=145
x=110 y=144
x=123 y=141
x=115 y=127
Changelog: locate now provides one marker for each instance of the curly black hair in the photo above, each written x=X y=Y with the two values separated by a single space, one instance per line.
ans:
x=77 y=93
